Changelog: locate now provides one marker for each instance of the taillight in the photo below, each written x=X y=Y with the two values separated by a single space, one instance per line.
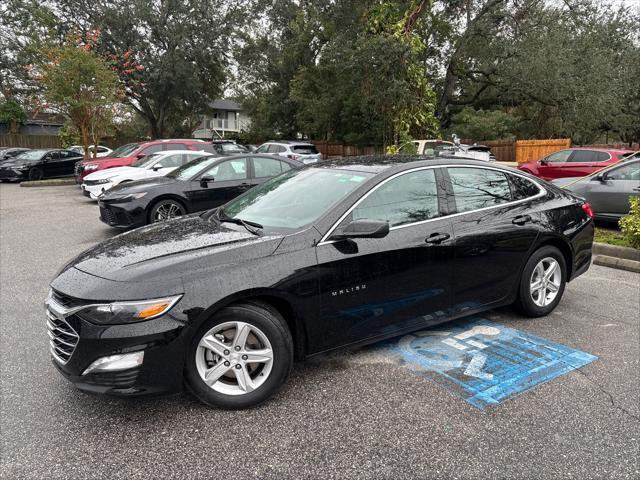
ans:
x=586 y=208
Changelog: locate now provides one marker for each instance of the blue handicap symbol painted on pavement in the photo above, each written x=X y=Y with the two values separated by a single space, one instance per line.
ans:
x=485 y=362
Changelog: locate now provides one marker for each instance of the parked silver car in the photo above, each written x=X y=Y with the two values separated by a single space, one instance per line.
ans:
x=301 y=151
x=608 y=190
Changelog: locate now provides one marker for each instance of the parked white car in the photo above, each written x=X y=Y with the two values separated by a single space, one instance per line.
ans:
x=304 y=152
x=153 y=165
x=102 y=150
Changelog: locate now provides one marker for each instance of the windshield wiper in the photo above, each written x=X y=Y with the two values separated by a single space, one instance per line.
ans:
x=251 y=227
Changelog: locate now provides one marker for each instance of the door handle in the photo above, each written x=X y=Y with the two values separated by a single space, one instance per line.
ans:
x=521 y=219
x=437 y=238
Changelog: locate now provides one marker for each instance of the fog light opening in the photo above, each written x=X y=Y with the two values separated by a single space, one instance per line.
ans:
x=114 y=363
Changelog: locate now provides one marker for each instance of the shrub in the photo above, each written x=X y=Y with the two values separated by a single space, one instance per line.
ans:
x=630 y=225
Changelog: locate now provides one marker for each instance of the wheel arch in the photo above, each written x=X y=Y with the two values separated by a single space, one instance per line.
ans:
x=275 y=299
x=565 y=249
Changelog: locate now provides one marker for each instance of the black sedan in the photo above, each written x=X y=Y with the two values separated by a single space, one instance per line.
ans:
x=39 y=164
x=201 y=184
x=332 y=255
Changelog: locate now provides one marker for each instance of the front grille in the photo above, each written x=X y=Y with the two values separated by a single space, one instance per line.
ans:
x=62 y=338
x=66 y=300
x=107 y=216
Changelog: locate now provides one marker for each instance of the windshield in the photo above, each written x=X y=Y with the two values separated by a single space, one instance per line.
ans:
x=31 y=155
x=144 y=161
x=295 y=198
x=188 y=170
x=124 y=150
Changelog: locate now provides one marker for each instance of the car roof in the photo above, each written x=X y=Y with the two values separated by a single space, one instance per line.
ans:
x=290 y=142
x=601 y=149
x=174 y=152
x=380 y=163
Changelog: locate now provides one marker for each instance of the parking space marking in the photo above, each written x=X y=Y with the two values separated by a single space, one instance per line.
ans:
x=482 y=361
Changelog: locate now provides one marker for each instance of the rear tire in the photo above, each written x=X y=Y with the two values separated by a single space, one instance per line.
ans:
x=542 y=283
x=218 y=368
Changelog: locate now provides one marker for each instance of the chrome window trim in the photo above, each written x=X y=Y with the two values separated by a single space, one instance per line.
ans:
x=542 y=192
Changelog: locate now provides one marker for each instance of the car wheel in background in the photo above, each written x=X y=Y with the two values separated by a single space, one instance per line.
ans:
x=35 y=174
x=240 y=357
x=542 y=282
x=166 y=210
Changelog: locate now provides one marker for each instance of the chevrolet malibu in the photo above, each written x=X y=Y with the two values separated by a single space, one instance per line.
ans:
x=333 y=255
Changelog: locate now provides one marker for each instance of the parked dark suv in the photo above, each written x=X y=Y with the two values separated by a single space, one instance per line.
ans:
x=335 y=254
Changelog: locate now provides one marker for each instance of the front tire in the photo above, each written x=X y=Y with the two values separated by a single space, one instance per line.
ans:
x=166 y=210
x=35 y=174
x=240 y=357
x=542 y=283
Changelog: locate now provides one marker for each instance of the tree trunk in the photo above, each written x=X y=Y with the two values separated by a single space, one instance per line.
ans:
x=84 y=136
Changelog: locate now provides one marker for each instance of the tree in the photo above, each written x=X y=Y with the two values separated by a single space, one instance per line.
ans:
x=171 y=56
x=13 y=115
x=81 y=86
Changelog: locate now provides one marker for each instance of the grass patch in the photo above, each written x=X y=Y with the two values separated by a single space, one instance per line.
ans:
x=612 y=237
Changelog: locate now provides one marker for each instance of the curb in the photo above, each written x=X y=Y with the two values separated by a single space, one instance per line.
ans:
x=54 y=182
x=619 y=263
x=616 y=251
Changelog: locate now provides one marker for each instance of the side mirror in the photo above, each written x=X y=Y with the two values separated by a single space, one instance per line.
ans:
x=204 y=181
x=544 y=162
x=156 y=167
x=140 y=155
x=363 y=228
x=601 y=177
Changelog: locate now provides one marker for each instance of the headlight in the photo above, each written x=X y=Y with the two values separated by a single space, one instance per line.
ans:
x=103 y=180
x=91 y=166
x=127 y=198
x=128 y=312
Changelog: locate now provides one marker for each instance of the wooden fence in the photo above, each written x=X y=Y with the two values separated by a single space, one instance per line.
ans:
x=329 y=150
x=528 y=150
x=29 y=141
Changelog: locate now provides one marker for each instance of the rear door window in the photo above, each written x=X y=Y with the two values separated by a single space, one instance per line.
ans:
x=583 y=156
x=475 y=188
x=274 y=148
x=601 y=156
x=408 y=198
x=267 y=167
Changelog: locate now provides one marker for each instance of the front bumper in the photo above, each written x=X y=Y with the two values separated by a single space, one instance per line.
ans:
x=93 y=191
x=123 y=215
x=11 y=175
x=163 y=341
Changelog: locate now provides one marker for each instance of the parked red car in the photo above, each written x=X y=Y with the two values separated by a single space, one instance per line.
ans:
x=131 y=152
x=573 y=162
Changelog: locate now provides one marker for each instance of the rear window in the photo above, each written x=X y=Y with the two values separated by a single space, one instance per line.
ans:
x=522 y=188
x=304 y=149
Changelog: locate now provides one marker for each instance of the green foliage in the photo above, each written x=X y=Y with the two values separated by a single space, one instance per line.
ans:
x=13 y=115
x=80 y=85
x=68 y=135
x=484 y=124
x=630 y=225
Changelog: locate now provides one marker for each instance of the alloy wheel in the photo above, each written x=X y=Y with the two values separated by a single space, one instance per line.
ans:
x=545 y=281
x=234 y=358
x=167 y=211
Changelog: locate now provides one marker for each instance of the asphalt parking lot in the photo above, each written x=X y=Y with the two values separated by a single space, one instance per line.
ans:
x=359 y=414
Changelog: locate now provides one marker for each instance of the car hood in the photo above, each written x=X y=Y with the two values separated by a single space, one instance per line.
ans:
x=172 y=249
x=137 y=186
x=110 y=172
x=18 y=163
